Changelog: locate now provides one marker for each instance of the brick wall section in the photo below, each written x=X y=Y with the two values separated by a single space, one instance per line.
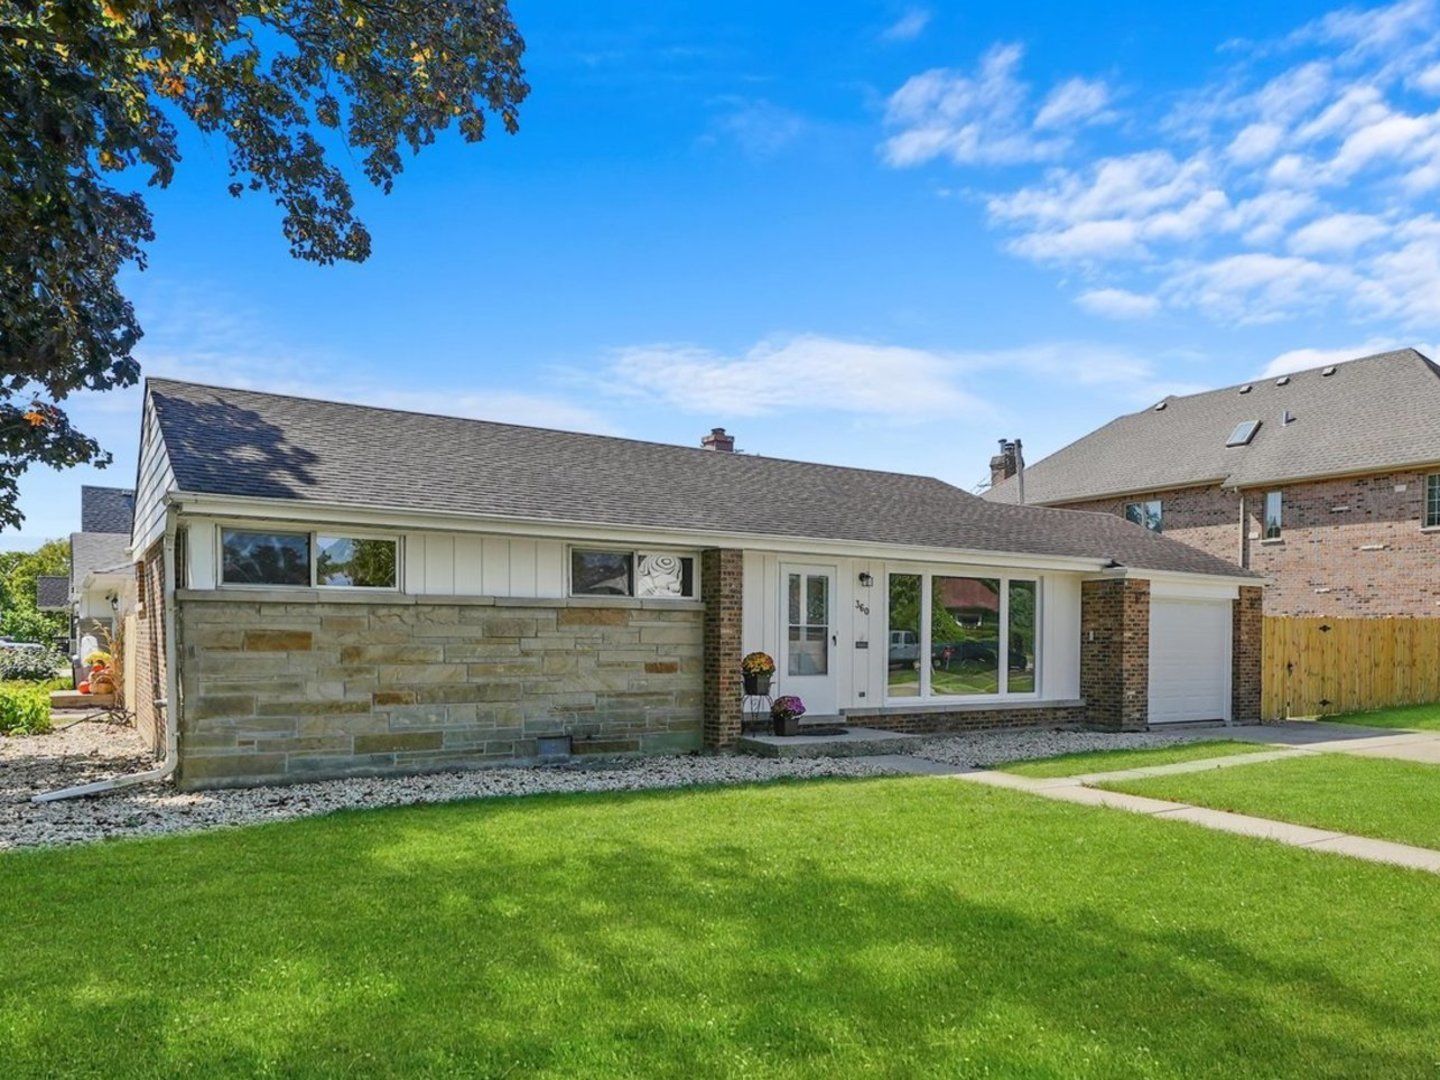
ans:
x=148 y=648
x=288 y=690
x=1203 y=517
x=722 y=579
x=939 y=722
x=1350 y=547
x=1246 y=642
x=1115 y=653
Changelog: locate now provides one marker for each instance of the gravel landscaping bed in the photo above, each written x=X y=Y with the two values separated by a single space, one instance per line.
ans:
x=984 y=749
x=91 y=751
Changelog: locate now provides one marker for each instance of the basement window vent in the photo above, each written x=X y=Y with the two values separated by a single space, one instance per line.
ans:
x=1339 y=509
x=1328 y=372
x=1283 y=380
x=1247 y=388
x=1373 y=547
x=1243 y=433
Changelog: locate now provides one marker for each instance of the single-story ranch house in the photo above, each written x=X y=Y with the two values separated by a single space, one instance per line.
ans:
x=330 y=589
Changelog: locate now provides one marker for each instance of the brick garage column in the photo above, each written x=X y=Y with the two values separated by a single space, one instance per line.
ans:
x=1246 y=644
x=1115 y=653
x=722 y=578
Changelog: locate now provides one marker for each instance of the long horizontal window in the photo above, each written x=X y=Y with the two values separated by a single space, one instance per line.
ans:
x=308 y=560
x=619 y=572
x=952 y=636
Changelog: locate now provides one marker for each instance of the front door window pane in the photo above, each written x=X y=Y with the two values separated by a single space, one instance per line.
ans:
x=809 y=637
x=1023 y=596
x=904 y=658
x=965 y=636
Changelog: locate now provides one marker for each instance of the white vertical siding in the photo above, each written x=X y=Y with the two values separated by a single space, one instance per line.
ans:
x=439 y=579
x=1060 y=637
x=153 y=482
x=469 y=566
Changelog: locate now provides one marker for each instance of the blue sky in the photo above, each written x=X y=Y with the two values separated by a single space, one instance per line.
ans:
x=885 y=237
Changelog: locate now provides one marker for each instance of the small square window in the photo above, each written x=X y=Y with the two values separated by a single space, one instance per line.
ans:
x=1146 y=513
x=264 y=558
x=1432 y=501
x=645 y=574
x=354 y=562
x=602 y=573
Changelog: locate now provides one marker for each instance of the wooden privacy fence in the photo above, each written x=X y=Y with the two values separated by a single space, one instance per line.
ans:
x=1319 y=667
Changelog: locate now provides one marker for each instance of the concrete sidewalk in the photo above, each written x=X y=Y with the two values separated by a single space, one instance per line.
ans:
x=1073 y=789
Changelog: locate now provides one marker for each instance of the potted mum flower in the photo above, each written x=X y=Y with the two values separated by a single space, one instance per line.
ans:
x=786 y=713
x=757 y=668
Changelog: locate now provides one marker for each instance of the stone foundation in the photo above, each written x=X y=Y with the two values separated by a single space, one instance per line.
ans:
x=309 y=686
x=942 y=722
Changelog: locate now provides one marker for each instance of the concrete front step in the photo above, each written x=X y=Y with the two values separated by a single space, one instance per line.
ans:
x=73 y=699
x=856 y=742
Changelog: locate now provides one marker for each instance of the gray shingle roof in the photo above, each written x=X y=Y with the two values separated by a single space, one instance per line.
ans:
x=1372 y=414
x=52 y=593
x=239 y=442
x=90 y=552
x=106 y=510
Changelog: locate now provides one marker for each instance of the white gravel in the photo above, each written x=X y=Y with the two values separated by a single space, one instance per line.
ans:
x=984 y=749
x=91 y=751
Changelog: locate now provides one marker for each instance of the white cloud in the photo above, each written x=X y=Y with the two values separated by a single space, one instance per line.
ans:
x=908 y=27
x=800 y=371
x=1118 y=304
x=759 y=127
x=1304 y=174
x=1336 y=234
x=1075 y=101
x=1304 y=359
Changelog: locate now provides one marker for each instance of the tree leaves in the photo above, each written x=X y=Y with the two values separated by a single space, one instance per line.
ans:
x=86 y=93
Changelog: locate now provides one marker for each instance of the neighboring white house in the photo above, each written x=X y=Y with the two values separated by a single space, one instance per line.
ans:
x=329 y=589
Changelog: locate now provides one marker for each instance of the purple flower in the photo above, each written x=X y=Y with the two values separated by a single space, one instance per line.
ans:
x=786 y=707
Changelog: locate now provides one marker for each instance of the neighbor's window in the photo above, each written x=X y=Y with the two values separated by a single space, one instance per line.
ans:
x=953 y=636
x=282 y=558
x=964 y=635
x=645 y=574
x=1144 y=513
x=1274 y=511
x=264 y=558
x=356 y=562
x=1432 y=501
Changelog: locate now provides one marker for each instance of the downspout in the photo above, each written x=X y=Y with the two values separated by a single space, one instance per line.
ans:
x=1020 y=471
x=170 y=615
x=1244 y=544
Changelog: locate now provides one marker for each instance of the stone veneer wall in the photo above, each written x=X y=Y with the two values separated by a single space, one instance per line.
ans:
x=1247 y=641
x=1115 y=653
x=285 y=686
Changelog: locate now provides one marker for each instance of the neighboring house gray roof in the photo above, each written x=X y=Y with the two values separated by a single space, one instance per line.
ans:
x=52 y=593
x=1369 y=415
x=106 y=510
x=238 y=442
x=92 y=552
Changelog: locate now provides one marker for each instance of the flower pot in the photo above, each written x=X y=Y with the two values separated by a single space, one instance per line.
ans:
x=757 y=685
x=786 y=725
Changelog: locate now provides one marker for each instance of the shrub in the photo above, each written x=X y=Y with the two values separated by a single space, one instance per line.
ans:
x=30 y=665
x=24 y=710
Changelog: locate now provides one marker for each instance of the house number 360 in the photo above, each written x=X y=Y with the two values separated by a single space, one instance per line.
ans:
x=864 y=609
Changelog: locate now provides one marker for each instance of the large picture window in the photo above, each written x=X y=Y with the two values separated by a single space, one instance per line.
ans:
x=645 y=574
x=953 y=636
x=305 y=560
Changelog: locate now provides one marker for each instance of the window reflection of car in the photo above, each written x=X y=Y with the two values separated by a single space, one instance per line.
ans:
x=948 y=654
x=904 y=648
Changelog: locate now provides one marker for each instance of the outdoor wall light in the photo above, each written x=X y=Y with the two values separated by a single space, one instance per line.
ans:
x=866 y=581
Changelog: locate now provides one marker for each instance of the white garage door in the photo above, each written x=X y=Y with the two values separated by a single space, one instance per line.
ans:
x=1189 y=660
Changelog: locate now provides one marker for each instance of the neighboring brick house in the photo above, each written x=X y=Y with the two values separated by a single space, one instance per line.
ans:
x=1326 y=481
x=333 y=590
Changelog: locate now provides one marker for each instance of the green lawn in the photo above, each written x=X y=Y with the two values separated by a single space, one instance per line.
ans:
x=893 y=928
x=1386 y=799
x=1094 y=761
x=1418 y=717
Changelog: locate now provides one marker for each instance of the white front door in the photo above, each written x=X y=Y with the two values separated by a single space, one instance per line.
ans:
x=809 y=639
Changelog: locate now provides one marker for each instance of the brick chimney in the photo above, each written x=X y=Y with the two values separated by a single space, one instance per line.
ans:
x=718 y=440
x=1006 y=463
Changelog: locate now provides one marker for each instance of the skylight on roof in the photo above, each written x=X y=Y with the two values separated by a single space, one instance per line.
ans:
x=1328 y=371
x=1284 y=380
x=1243 y=433
x=1247 y=388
